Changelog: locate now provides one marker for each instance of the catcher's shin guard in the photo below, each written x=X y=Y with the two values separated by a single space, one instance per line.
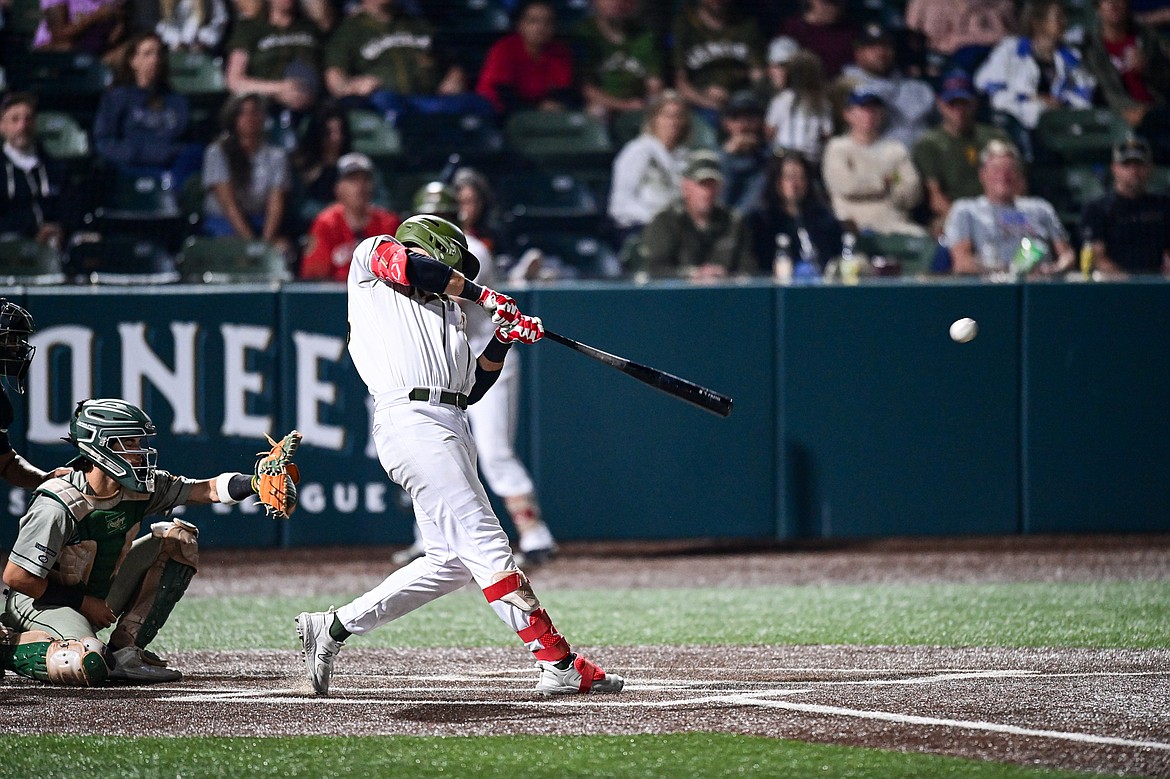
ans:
x=162 y=586
x=541 y=636
x=70 y=662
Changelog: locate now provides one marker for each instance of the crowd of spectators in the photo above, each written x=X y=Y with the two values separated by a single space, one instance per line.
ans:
x=921 y=123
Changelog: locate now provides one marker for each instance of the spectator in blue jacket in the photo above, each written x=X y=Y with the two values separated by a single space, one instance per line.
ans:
x=140 y=123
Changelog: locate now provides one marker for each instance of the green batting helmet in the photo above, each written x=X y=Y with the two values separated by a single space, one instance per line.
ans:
x=112 y=435
x=437 y=198
x=441 y=239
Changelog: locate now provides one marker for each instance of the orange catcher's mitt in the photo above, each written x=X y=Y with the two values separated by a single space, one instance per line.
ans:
x=277 y=476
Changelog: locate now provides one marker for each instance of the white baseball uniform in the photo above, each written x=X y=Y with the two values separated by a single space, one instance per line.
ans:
x=401 y=339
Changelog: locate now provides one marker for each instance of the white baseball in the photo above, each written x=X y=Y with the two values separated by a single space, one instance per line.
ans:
x=964 y=330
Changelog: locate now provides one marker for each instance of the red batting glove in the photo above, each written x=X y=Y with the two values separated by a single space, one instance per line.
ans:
x=388 y=261
x=525 y=330
x=502 y=308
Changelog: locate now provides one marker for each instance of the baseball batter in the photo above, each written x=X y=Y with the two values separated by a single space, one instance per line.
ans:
x=494 y=417
x=77 y=567
x=409 y=344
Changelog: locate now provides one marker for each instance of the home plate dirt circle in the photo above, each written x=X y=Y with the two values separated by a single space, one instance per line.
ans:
x=1100 y=710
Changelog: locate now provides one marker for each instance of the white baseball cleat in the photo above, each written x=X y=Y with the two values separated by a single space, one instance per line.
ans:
x=137 y=666
x=537 y=546
x=583 y=676
x=318 y=647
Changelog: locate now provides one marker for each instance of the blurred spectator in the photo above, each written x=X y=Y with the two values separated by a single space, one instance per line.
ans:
x=801 y=117
x=476 y=206
x=984 y=234
x=1026 y=76
x=91 y=26
x=648 y=169
x=246 y=179
x=871 y=180
x=1129 y=228
x=909 y=101
x=962 y=31
x=716 y=53
x=276 y=55
x=347 y=222
x=382 y=57
x=1153 y=13
x=1132 y=69
x=325 y=141
x=789 y=206
x=529 y=69
x=743 y=153
x=30 y=193
x=322 y=13
x=780 y=52
x=947 y=157
x=696 y=238
x=197 y=25
x=823 y=27
x=620 y=61
x=141 y=122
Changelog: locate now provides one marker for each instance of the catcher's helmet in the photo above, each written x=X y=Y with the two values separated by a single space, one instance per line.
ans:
x=16 y=353
x=442 y=240
x=437 y=198
x=112 y=435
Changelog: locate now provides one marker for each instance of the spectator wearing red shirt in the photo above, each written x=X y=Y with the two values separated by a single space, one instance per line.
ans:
x=343 y=225
x=528 y=68
x=824 y=27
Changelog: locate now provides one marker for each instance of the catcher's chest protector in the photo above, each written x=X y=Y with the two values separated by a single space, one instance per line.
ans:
x=101 y=535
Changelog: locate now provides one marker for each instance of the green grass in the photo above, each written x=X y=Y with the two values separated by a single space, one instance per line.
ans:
x=1096 y=615
x=678 y=755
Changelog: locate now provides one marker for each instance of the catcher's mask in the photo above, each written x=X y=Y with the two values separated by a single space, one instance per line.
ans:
x=16 y=353
x=441 y=239
x=112 y=434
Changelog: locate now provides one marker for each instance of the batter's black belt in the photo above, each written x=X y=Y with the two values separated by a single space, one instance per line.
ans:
x=446 y=397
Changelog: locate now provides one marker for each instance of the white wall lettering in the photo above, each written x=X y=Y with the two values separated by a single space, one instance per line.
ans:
x=140 y=364
x=79 y=341
x=312 y=391
x=239 y=382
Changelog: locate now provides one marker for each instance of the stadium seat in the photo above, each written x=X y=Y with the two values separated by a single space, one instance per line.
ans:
x=628 y=125
x=62 y=136
x=430 y=139
x=24 y=261
x=1077 y=136
x=461 y=19
x=1160 y=180
x=914 y=253
x=231 y=261
x=139 y=197
x=24 y=16
x=373 y=135
x=200 y=78
x=570 y=254
x=541 y=194
x=559 y=137
x=61 y=80
x=1067 y=188
x=121 y=260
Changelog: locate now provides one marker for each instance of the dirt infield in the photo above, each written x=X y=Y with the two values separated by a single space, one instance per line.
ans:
x=1100 y=710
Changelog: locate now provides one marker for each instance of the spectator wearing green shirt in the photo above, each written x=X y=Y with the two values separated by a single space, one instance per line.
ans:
x=276 y=55
x=620 y=63
x=386 y=59
x=947 y=157
x=716 y=53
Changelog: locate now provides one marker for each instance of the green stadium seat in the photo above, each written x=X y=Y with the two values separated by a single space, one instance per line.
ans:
x=24 y=261
x=1077 y=136
x=373 y=135
x=914 y=253
x=540 y=194
x=1067 y=188
x=62 y=136
x=429 y=140
x=231 y=260
x=196 y=73
x=61 y=80
x=139 y=197
x=559 y=137
x=121 y=260
x=1160 y=180
x=571 y=254
x=24 y=16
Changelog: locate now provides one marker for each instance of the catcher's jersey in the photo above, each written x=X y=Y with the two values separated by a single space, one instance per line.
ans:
x=401 y=340
x=48 y=528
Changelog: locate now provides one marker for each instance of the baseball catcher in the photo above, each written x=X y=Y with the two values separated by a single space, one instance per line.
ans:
x=78 y=565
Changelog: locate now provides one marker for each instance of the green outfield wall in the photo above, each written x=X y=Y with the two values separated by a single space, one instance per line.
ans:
x=855 y=414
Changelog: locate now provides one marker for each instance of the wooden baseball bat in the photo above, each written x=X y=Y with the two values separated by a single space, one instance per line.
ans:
x=700 y=396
